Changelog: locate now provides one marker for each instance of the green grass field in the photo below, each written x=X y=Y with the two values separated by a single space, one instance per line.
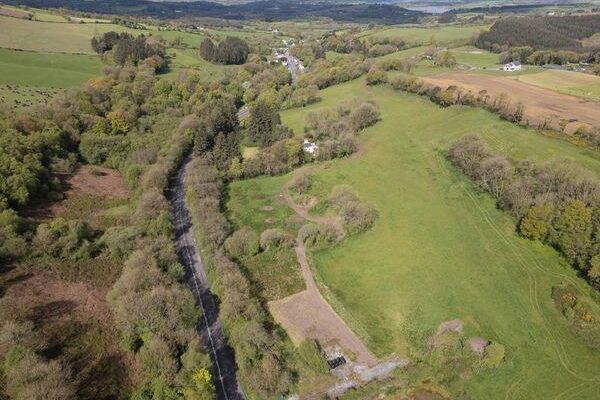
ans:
x=476 y=58
x=16 y=97
x=190 y=58
x=61 y=37
x=574 y=83
x=47 y=70
x=444 y=35
x=53 y=37
x=440 y=246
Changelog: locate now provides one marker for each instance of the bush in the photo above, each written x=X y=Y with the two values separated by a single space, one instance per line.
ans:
x=300 y=184
x=342 y=194
x=536 y=224
x=494 y=355
x=119 y=241
x=34 y=379
x=275 y=238
x=363 y=116
x=357 y=217
x=12 y=243
x=243 y=242
x=66 y=239
x=376 y=76
x=318 y=235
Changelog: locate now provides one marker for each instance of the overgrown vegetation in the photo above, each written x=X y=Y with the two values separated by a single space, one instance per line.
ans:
x=121 y=119
x=557 y=203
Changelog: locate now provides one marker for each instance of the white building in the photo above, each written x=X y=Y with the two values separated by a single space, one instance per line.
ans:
x=309 y=147
x=512 y=66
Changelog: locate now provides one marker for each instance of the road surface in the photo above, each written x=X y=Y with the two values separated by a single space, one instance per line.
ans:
x=209 y=327
x=293 y=65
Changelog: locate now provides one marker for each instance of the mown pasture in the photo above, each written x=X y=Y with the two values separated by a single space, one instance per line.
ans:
x=423 y=35
x=47 y=70
x=441 y=247
x=574 y=83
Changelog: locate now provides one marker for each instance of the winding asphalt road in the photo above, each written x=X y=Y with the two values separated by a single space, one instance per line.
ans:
x=209 y=327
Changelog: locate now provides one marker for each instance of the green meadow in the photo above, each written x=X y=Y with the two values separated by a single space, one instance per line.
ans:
x=47 y=70
x=441 y=247
x=443 y=35
x=573 y=83
x=53 y=37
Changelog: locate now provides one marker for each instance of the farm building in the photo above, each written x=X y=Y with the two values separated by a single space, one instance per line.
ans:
x=512 y=66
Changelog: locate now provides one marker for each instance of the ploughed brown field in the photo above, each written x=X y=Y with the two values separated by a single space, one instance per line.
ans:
x=541 y=105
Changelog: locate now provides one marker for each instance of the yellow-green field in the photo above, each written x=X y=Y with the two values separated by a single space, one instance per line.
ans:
x=443 y=35
x=574 y=83
x=52 y=37
x=444 y=248
x=47 y=70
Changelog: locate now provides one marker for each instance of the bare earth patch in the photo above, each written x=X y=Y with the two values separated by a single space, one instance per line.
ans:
x=540 y=104
x=98 y=181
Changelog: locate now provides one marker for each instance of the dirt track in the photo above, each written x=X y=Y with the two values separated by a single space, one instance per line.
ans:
x=307 y=314
x=540 y=103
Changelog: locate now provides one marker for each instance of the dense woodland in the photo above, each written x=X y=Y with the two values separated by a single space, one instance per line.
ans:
x=123 y=48
x=541 y=33
x=231 y=50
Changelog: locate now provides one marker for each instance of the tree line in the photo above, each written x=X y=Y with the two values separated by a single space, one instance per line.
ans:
x=231 y=50
x=556 y=203
x=123 y=48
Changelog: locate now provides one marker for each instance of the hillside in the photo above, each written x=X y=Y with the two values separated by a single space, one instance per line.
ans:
x=547 y=32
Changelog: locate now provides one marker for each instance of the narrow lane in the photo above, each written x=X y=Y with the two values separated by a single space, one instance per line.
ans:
x=209 y=327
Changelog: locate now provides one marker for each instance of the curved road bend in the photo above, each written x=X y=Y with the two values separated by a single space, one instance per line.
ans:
x=209 y=327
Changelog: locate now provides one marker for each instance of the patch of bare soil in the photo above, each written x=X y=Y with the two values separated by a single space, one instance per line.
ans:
x=98 y=181
x=14 y=13
x=540 y=105
x=87 y=190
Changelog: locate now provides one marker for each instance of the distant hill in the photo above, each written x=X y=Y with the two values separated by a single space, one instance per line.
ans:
x=274 y=10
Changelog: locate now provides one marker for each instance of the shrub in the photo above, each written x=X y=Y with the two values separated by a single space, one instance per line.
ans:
x=275 y=238
x=494 y=355
x=536 y=223
x=363 y=116
x=12 y=243
x=300 y=184
x=342 y=194
x=357 y=217
x=376 y=76
x=243 y=242
x=318 y=235
x=35 y=379
x=119 y=241
x=66 y=239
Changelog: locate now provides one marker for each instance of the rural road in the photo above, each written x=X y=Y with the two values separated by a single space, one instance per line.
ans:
x=292 y=65
x=209 y=327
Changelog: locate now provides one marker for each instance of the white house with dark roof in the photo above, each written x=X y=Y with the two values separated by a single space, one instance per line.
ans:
x=512 y=66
